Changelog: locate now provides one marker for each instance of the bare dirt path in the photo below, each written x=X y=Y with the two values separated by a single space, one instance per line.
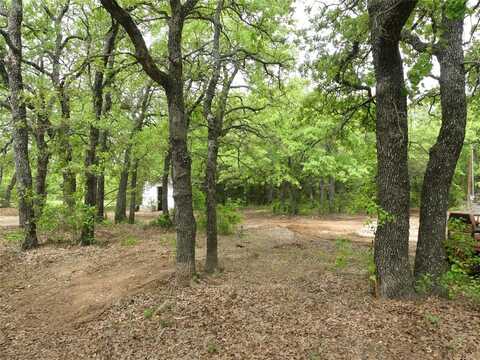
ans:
x=287 y=291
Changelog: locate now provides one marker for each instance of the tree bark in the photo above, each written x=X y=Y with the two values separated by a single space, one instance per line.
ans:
x=103 y=147
x=139 y=115
x=20 y=127
x=173 y=84
x=88 y=227
x=133 y=193
x=69 y=187
x=121 y=203
x=166 y=175
x=430 y=256
x=7 y=197
x=331 y=194
x=43 y=158
x=393 y=273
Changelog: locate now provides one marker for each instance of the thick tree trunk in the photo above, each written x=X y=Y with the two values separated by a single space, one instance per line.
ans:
x=133 y=193
x=20 y=127
x=430 y=256
x=394 y=276
x=166 y=175
x=7 y=197
x=121 y=203
x=173 y=84
x=182 y=183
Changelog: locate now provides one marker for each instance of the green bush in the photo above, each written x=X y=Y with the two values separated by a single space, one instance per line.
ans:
x=164 y=221
x=57 y=218
x=228 y=218
x=460 y=249
x=460 y=246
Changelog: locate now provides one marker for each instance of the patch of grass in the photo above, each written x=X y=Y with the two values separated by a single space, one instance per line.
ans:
x=129 y=241
x=212 y=348
x=432 y=319
x=148 y=313
x=166 y=323
x=343 y=253
x=163 y=221
x=15 y=236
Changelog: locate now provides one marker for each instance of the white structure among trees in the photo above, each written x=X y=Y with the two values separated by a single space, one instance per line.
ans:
x=152 y=197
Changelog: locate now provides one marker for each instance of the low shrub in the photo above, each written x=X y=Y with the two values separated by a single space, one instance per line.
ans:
x=164 y=221
x=228 y=218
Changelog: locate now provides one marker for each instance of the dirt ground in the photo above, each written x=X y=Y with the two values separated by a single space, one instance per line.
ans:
x=289 y=289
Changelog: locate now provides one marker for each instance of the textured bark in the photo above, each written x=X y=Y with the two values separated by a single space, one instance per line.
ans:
x=166 y=175
x=88 y=226
x=394 y=276
x=43 y=158
x=214 y=123
x=173 y=84
x=430 y=256
x=7 y=197
x=20 y=130
x=133 y=193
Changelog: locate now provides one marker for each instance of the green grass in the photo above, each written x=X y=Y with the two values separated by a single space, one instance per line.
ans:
x=129 y=241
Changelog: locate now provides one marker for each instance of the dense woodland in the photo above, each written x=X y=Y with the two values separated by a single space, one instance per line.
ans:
x=358 y=107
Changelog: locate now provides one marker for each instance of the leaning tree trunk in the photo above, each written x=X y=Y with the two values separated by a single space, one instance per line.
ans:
x=133 y=193
x=7 y=197
x=394 y=277
x=166 y=174
x=20 y=127
x=430 y=257
x=121 y=203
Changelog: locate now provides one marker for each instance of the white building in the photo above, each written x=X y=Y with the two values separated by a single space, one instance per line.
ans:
x=152 y=197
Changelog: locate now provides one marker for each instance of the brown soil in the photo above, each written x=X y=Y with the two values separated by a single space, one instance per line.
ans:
x=283 y=294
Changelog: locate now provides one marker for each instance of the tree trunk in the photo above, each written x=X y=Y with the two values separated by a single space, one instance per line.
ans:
x=88 y=226
x=173 y=84
x=20 y=126
x=430 y=257
x=101 y=177
x=69 y=186
x=133 y=193
x=331 y=195
x=121 y=203
x=322 y=194
x=211 y=263
x=165 y=177
x=182 y=182
x=43 y=158
x=394 y=276
x=7 y=198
